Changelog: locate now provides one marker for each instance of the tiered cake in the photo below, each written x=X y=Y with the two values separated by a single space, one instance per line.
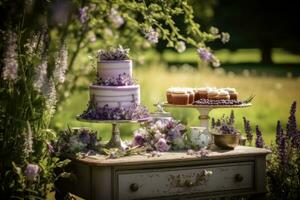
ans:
x=115 y=87
x=115 y=95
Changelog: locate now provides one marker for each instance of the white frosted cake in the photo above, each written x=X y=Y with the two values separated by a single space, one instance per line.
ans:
x=116 y=87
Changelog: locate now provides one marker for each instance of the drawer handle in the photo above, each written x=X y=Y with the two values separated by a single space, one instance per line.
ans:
x=238 y=178
x=134 y=187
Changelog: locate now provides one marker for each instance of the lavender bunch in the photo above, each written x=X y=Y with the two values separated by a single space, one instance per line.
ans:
x=114 y=54
x=248 y=130
x=122 y=80
x=291 y=127
x=259 y=139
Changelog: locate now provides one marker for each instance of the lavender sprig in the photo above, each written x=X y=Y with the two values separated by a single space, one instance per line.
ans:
x=259 y=139
x=231 y=118
x=291 y=127
x=248 y=130
x=279 y=132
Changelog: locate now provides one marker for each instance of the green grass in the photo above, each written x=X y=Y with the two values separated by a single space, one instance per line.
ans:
x=274 y=96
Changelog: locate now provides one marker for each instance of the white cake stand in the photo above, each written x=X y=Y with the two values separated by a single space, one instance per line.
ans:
x=115 y=140
x=205 y=109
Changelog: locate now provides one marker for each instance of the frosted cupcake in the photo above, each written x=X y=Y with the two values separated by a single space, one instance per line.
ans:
x=201 y=93
x=232 y=93
x=180 y=97
x=212 y=94
x=223 y=94
x=191 y=95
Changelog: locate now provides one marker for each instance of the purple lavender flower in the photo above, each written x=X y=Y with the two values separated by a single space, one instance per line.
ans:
x=248 y=130
x=231 y=118
x=10 y=61
x=282 y=151
x=121 y=80
x=139 y=139
x=205 y=54
x=50 y=148
x=279 y=132
x=152 y=35
x=31 y=171
x=83 y=16
x=291 y=127
x=162 y=145
x=259 y=139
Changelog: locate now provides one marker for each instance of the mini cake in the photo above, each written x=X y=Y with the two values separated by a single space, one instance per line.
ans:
x=201 y=93
x=213 y=94
x=191 y=95
x=169 y=95
x=180 y=97
x=223 y=94
x=232 y=93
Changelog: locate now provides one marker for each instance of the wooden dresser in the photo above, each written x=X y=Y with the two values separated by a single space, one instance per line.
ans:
x=173 y=175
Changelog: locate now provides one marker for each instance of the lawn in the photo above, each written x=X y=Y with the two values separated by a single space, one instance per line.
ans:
x=274 y=94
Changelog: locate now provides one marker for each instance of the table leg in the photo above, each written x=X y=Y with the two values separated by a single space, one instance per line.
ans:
x=115 y=140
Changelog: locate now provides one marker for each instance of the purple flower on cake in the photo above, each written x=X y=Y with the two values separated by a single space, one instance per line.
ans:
x=162 y=145
x=152 y=35
x=31 y=171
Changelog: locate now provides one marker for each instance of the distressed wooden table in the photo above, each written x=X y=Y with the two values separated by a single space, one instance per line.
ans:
x=173 y=175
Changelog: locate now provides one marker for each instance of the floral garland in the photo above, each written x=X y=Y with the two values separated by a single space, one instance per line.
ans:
x=133 y=112
x=122 y=80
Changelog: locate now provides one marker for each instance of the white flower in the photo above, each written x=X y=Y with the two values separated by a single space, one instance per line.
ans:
x=116 y=19
x=180 y=46
x=225 y=37
x=214 y=30
x=49 y=92
x=41 y=74
x=152 y=35
x=10 y=69
x=61 y=64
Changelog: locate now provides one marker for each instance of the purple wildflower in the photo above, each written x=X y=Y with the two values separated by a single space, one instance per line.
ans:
x=83 y=16
x=152 y=35
x=10 y=61
x=248 y=130
x=282 y=151
x=291 y=127
x=279 y=132
x=259 y=138
x=205 y=54
x=50 y=147
x=231 y=118
x=31 y=171
x=139 y=139
x=162 y=145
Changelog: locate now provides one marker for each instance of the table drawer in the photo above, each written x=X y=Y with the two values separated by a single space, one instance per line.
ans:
x=139 y=184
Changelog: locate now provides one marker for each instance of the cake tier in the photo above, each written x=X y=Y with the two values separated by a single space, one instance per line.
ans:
x=113 y=68
x=114 y=96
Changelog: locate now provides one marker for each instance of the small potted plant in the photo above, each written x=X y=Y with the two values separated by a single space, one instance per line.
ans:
x=225 y=134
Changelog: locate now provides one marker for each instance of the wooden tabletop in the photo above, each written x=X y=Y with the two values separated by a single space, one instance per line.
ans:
x=240 y=151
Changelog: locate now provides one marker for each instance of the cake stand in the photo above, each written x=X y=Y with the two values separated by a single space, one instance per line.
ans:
x=115 y=140
x=205 y=109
